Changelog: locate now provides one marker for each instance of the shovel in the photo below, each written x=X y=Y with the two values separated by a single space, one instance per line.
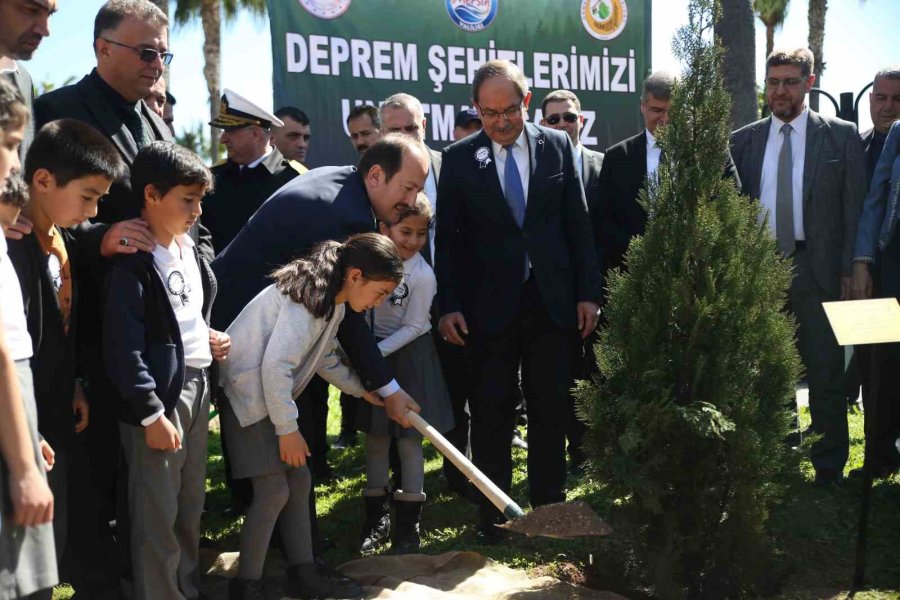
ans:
x=560 y=520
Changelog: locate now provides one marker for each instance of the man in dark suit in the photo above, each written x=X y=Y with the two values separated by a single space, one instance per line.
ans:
x=255 y=168
x=518 y=280
x=561 y=110
x=23 y=24
x=808 y=171
x=884 y=109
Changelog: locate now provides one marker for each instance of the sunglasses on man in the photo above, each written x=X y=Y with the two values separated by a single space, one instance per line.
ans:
x=147 y=55
x=567 y=117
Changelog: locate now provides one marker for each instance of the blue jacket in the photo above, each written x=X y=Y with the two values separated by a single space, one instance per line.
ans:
x=879 y=216
x=142 y=346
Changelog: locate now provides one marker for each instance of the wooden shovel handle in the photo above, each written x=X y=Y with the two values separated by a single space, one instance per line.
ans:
x=498 y=498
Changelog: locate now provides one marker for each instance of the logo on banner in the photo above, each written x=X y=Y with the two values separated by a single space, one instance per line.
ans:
x=326 y=9
x=472 y=15
x=604 y=19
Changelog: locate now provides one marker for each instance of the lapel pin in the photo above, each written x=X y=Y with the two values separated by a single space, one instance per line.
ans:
x=483 y=156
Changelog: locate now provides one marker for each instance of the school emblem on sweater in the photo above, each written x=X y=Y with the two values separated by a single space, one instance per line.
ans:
x=401 y=293
x=483 y=156
x=178 y=287
x=55 y=270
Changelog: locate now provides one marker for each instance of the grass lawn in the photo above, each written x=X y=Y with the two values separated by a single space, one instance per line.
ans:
x=815 y=527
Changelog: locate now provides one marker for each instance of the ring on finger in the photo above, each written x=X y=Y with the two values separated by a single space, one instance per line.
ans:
x=123 y=241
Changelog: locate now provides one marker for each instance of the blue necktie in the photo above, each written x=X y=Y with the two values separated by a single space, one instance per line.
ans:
x=515 y=195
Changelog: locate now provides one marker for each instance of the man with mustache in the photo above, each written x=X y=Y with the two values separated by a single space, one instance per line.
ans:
x=364 y=126
x=518 y=281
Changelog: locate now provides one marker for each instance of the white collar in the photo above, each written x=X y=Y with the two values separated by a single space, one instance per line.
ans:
x=8 y=65
x=799 y=123
x=521 y=142
x=165 y=256
x=255 y=163
x=651 y=139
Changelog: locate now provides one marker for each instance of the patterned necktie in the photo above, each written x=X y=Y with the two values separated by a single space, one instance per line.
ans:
x=515 y=195
x=135 y=124
x=784 y=195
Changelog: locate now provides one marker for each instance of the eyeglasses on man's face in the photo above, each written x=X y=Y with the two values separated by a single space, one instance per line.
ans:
x=510 y=113
x=773 y=83
x=147 y=55
x=556 y=118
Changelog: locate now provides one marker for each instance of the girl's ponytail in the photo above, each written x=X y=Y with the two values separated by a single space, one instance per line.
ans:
x=315 y=280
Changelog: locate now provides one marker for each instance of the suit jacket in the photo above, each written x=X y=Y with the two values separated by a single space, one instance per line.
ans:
x=481 y=249
x=621 y=217
x=591 y=165
x=240 y=192
x=833 y=189
x=22 y=80
x=53 y=362
x=86 y=101
x=329 y=203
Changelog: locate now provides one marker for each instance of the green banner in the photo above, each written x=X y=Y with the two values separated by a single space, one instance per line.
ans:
x=330 y=55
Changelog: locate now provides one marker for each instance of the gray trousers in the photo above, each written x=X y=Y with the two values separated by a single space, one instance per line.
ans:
x=824 y=362
x=166 y=491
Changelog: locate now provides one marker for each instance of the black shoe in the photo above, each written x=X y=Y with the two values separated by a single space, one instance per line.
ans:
x=246 y=589
x=828 y=477
x=377 y=525
x=518 y=441
x=405 y=536
x=310 y=582
x=346 y=439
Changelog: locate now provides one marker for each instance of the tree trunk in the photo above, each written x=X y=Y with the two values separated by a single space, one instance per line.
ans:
x=736 y=34
x=211 y=18
x=816 y=17
x=770 y=38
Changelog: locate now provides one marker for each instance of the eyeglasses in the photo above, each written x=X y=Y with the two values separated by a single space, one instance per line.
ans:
x=789 y=82
x=508 y=114
x=147 y=55
x=567 y=117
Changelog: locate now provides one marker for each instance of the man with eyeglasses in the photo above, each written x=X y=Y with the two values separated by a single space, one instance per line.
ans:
x=561 y=110
x=808 y=171
x=518 y=281
x=131 y=49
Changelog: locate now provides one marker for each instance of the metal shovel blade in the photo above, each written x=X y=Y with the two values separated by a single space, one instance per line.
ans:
x=563 y=520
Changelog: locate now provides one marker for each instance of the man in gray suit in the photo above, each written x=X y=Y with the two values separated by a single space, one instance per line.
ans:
x=23 y=24
x=808 y=171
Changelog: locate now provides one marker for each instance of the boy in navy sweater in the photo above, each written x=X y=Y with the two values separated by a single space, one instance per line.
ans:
x=158 y=348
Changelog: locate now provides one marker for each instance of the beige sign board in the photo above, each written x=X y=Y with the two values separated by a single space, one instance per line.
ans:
x=864 y=321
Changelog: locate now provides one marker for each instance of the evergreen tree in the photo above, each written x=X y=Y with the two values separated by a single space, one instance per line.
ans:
x=697 y=360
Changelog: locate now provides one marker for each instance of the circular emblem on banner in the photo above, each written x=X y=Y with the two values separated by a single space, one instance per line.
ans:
x=326 y=9
x=604 y=19
x=472 y=15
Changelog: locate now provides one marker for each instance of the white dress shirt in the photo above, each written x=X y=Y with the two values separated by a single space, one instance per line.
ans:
x=653 y=153
x=768 y=183
x=523 y=161
x=255 y=163
x=406 y=315
x=431 y=191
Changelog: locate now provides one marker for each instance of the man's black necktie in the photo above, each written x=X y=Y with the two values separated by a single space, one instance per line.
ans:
x=135 y=124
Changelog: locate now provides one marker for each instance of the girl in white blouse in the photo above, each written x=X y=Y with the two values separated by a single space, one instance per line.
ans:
x=402 y=325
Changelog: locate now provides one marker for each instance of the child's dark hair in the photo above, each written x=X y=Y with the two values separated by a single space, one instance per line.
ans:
x=420 y=208
x=13 y=112
x=70 y=150
x=315 y=280
x=16 y=191
x=165 y=165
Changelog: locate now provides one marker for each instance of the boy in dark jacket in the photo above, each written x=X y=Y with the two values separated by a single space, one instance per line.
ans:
x=158 y=348
x=69 y=168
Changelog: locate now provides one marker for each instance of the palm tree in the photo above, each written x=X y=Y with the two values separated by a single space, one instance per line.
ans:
x=210 y=13
x=772 y=14
x=816 y=18
x=734 y=29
